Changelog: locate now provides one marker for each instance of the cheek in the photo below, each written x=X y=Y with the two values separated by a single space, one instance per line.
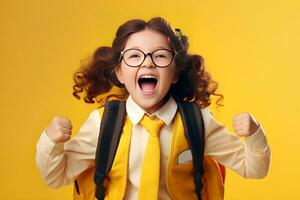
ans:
x=171 y=75
x=128 y=76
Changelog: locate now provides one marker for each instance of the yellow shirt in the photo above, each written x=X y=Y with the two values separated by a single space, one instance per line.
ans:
x=60 y=164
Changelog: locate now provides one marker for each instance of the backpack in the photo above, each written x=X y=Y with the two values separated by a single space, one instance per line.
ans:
x=90 y=183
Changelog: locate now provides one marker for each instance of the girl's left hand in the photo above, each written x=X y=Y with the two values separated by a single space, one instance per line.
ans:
x=244 y=124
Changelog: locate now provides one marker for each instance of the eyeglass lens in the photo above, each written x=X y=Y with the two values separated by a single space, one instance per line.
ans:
x=160 y=57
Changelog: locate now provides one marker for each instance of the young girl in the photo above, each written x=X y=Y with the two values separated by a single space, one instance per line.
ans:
x=149 y=66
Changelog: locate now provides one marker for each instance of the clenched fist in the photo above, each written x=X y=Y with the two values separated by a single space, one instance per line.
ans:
x=244 y=124
x=60 y=129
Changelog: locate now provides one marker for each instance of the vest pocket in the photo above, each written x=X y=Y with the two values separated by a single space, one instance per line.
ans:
x=185 y=189
x=181 y=172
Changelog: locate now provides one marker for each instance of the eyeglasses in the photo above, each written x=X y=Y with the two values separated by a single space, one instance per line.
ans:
x=135 y=57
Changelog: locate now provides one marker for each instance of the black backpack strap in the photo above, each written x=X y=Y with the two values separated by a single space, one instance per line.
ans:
x=110 y=132
x=194 y=130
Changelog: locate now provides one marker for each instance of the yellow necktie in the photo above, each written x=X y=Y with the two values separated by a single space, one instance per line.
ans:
x=149 y=181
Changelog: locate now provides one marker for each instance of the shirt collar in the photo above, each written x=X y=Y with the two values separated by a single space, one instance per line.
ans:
x=166 y=113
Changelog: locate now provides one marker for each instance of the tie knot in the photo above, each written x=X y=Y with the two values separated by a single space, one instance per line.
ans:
x=152 y=125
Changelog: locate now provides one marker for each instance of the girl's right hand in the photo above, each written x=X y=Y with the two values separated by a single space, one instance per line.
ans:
x=60 y=129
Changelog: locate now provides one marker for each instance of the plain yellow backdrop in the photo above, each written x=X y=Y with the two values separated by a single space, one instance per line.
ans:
x=251 y=48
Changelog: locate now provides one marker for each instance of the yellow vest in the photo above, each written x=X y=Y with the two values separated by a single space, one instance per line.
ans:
x=180 y=178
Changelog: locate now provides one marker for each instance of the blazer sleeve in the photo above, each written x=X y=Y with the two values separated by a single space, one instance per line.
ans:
x=249 y=158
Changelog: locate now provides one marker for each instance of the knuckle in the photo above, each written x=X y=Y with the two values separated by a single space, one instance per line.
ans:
x=61 y=129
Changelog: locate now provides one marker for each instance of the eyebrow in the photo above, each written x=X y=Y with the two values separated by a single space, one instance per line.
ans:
x=160 y=47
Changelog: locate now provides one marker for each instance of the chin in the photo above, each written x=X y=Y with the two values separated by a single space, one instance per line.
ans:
x=150 y=106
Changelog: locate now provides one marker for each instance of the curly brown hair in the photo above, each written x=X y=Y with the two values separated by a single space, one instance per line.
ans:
x=98 y=80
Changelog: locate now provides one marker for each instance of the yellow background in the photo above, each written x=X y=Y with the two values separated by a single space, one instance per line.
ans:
x=250 y=47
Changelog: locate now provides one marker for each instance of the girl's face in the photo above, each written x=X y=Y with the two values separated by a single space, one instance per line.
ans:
x=147 y=84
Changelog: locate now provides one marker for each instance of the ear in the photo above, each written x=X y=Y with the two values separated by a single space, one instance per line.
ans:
x=119 y=74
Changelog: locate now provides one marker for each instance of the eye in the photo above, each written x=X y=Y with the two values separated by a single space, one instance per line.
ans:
x=134 y=56
x=160 y=56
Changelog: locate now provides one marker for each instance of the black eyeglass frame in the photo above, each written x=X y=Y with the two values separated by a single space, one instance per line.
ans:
x=145 y=55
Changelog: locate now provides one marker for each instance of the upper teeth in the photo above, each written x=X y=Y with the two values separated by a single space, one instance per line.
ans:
x=147 y=76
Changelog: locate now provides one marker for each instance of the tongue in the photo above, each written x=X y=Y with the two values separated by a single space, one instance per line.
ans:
x=147 y=86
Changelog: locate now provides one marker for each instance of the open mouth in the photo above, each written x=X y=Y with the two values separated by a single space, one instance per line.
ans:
x=147 y=83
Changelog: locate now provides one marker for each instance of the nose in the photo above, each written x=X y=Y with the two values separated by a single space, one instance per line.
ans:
x=148 y=61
